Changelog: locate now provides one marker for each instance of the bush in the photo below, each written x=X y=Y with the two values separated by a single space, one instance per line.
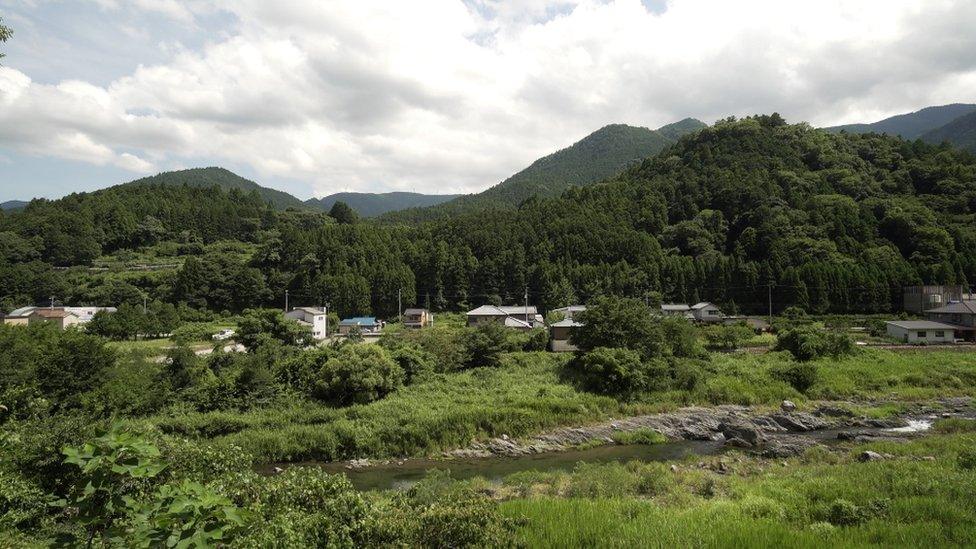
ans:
x=613 y=322
x=619 y=372
x=808 y=343
x=727 y=337
x=414 y=362
x=485 y=345
x=358 y=374
x=800 y=375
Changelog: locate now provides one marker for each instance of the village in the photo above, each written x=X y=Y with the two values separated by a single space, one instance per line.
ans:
x=931 y=315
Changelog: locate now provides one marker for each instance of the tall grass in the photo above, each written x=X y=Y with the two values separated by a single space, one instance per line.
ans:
x=905 y=502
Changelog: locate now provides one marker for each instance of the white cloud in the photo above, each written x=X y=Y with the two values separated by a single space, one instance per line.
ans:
x=445 y=96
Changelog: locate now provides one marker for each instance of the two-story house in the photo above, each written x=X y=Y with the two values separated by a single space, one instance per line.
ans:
x=313 y=318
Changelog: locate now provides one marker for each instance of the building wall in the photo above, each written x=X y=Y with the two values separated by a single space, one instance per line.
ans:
x=562 y=346
x=478 y=320
x=16 y=321
x=919 y=298
x=921 y=336
x=708 y=314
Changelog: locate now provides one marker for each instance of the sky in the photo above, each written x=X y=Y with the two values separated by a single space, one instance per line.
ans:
x=442 y=96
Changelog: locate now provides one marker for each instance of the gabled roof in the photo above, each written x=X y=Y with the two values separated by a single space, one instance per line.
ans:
x=310 y=310
x=566 y=323
x=359 y=321
x=921 y=325
x=23 y=311
x=570 y=309
x=961 y=307
x=492 y=310
x=513 y=322
x=414 y=311
x=675 y=307
x=701 y=305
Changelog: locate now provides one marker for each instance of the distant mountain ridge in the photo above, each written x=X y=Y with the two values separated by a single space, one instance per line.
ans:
x=601 y=154
x=911 y=125
x=223 y=178
x=961 y=132
x=13 y=205
x=373 y=204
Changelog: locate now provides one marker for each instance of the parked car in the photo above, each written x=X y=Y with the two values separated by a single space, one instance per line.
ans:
x=224 y=334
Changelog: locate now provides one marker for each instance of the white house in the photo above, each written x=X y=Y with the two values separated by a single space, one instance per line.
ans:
x=568 y=312
x=921 y=331
x=83 y=314
x=313 y=318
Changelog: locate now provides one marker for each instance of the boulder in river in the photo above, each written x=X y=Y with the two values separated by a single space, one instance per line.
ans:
x=787 y=406
x=742 y=433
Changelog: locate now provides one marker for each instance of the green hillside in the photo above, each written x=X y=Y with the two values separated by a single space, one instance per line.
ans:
x=220 y=177
x=597 y=156
x=961 y=132
x=373 y=204
x=911 y=125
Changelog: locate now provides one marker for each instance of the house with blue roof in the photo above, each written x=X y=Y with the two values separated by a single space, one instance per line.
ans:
x=365 y=324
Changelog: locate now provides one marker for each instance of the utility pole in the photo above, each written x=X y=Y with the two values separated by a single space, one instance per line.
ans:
x=400 y=304
x=52 y=302
x=286 y=301
x=326 y=320
x=769 y=297
x=526 y=304
x=145 y=303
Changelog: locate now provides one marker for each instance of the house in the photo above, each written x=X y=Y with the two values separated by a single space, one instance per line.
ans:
x=918 y=299
x=559 y=335
x=518 y=317
x=366 y=325
x=417 y=318
x=59 y=317
x=313 y=318
x=676 y=309
x=706 y=312
x=699 y=312
x=84 y=314
x=14 y=320
x=961 y=314
x=568 y=312
x=921 y=331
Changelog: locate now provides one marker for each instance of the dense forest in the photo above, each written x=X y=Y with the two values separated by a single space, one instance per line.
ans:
x=735 y=213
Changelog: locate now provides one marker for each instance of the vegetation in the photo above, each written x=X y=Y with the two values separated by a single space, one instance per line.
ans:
x=819 y=499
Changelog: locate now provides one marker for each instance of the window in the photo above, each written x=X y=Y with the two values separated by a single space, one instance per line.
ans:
x=921 y=335
x=939 y=334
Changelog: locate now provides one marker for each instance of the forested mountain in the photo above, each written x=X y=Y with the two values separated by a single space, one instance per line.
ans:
x=13 y=205
x=737 y=211
x=220 y=177
x=911 y=125
x=597 y=156
x=961 y=132
x=373 y=204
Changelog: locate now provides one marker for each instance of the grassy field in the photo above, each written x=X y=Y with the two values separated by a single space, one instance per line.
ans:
x=820 y=499
x=526 y=395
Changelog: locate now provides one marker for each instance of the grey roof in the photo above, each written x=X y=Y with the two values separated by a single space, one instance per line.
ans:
x=310 y=310
x=513 y=322
x=921 y=325
x=570 y=309
x=414 y=311
x=675 y=307
x=566 y=323
x=492 y=310
x=963 y=307
x=702 y=305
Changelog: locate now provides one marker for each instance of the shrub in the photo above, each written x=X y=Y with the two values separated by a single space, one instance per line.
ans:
x=808 y=343
x=414 y=362
x=22 y=504
x=613 y=322
x=967 y=460
x=358 y=374
x=485 y=344
x=800 y=375
x=619 y=372
x=727 y=337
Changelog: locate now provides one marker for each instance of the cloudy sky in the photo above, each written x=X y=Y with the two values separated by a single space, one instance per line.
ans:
x=440 y=96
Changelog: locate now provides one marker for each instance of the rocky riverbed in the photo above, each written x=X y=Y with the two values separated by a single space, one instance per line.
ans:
x=773 y=434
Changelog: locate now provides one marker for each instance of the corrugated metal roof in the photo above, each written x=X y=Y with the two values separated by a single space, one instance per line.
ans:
x=675 y=307
x=921 y=325
x=963 y=307
x=359 y=321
